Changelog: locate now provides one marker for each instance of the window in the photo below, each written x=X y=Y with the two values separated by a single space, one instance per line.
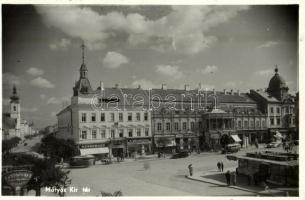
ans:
x=271 y=121
x=121 y=133
x=252 y=124
x=239 y=124
x=15 y=108
x=84 y=117
x=184 y=125
x=278 y=121
x=245 y=124
x=84 y=134
x=102 y=117
x=138 y=132
x=292 y=110
x=93 y=117
x=287 y=110
x=138 y=116
x=168 y=126
x=146 y=116
x=112 y=133
x=103 y=134
x=200 y=125
x=147 y=132
x=278 y=110
x=192 y=126
x=263 y=123
x=130 y=133
x=271 y=109
x=176 y=126
x=258 y=124
x=120 y=117
x=112 y=117
x=293 y=121
x=159 y=126
x=129 y=116
x=99 y=100
x=94 y=134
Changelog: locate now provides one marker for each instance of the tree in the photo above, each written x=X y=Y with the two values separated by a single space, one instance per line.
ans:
x=45 y=173
x=115 y=194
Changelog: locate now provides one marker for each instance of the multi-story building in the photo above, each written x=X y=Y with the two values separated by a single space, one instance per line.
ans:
x=12 y=123
x=278 y=105
x=119 y=121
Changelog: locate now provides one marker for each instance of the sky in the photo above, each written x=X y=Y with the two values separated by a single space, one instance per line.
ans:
x=221 y=47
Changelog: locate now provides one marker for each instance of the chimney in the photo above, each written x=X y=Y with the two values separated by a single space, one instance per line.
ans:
x=225 y=91
x=238 y=92
x=139 y=86
x=231 y=92
x=214 y=92
x=164 y=87
x=187 y=87
x=116 y=86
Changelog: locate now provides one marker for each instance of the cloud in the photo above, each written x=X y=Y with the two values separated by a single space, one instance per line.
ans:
x=268 y=44
x=42 y=96
x=35 y=71
x=169 y=70
x=24 y=109
x=62 y=44
x=42 y=83
x=184 y=30
x=264 y=72
x=10 y=79
x=114 y=60
x=145 y=84
x=209 y=69
x=57 y=101
x=53 y=114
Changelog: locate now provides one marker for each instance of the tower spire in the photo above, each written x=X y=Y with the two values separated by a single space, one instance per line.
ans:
x=276 y=69
x=83 y=52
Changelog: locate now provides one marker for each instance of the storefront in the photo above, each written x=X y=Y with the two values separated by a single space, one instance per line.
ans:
x=99 y=150
x=140 y=146
x=118 y=147
x=165 y=143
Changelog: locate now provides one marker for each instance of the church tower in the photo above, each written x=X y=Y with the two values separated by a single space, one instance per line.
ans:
x=15 y=107
x=82 y=86
x=277 y=86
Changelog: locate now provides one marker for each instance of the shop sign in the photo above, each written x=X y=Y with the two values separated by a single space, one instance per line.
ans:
x=142 y=141
x=18 y=178
x=88 y=146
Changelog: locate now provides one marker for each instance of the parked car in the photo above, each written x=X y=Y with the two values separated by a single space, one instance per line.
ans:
x=231 y=148
x=182 y=154
x=273 y=144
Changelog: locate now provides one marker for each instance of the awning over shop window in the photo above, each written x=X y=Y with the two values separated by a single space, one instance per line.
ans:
x=91 y=151
x=236 y=138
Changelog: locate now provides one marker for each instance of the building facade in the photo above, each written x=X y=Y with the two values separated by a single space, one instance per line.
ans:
x=119 y=121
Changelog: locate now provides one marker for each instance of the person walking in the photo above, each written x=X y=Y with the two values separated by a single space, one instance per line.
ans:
x=219 y=166
x=190 y=169
x=234 y=177
x=227 y=174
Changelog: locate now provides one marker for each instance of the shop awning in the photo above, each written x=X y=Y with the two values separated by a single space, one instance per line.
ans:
x=236 y=138
x=91 y=151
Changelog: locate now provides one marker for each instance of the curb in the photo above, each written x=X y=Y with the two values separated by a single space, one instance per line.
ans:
x=230 y=186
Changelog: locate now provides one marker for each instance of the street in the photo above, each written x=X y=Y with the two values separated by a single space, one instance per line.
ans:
x=165 y=177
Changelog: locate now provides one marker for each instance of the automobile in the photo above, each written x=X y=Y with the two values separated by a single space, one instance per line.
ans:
x=273 y=144
x=231 y=148
x=181 y=154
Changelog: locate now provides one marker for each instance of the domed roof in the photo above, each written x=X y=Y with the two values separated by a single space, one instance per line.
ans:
x=276 y=82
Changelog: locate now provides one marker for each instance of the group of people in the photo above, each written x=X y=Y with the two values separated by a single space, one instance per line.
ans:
x=288 y=146
x=231 y=177
x=220 y=166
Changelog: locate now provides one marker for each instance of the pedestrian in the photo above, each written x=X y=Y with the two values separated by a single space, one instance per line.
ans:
x=190 y=169
x=219 y=166
x=227 y=174
x=234 y=177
